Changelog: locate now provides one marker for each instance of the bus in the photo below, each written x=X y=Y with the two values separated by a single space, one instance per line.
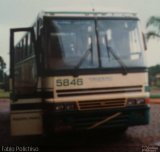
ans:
x=78 y=71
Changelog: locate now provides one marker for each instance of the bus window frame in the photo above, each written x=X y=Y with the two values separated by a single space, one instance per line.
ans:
x=63 y=72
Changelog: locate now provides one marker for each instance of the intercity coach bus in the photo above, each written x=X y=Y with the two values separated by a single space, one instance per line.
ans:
x=76 y=71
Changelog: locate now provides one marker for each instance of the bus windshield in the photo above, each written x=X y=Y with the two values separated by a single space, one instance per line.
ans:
x=73 y=43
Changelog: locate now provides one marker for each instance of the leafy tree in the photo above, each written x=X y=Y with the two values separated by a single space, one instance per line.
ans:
x=2 y=64
x=153 y=71
x=2 y=73
x=154 y=27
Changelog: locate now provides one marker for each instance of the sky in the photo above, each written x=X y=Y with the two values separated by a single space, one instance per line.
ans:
x=22 y=13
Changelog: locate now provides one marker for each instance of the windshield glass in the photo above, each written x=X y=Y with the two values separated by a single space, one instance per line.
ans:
x=123 y=37
x=68 y=42
x=75 y=44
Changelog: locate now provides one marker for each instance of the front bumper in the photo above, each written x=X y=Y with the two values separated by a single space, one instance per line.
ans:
x=85 y=120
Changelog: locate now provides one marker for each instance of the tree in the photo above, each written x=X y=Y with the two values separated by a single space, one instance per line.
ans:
x=154 y=27
x=2 y=73
x=2 y=64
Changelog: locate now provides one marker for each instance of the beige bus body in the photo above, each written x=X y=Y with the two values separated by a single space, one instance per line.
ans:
x=116 y=89
x=97 y=92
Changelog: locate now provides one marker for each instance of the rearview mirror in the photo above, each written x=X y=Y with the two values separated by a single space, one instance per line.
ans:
x=144 y=42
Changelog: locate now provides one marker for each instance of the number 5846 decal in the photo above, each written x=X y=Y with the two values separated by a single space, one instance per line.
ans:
x=68 y=82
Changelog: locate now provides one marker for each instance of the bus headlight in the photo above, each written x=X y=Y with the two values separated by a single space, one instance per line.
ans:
x=70 y=107
x=132 y=102
x=59 y=107
x=65 y=106
x=140 y=101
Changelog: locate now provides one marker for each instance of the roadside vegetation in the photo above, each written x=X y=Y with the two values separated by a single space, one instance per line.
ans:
x=154 y=77
x=153 y=27
x=154 y=81
x=4 y=83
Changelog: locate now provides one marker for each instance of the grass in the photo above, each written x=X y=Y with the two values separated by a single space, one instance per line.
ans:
x=4 y=94
x=154 y=96
x=154 y=92
x=154 y=88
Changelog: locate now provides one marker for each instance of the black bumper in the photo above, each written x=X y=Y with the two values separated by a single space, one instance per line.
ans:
x=84 y=120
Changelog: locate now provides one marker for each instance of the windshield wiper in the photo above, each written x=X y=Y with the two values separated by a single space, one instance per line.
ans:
x=109 y=48
x=118 y=59
x=89 y=50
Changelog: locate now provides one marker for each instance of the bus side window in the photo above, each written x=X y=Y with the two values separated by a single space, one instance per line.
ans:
x=25 y=74
x=29 y=45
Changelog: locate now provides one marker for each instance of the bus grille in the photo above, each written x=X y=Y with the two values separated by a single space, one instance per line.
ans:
x=98 y=91
x=102 y=104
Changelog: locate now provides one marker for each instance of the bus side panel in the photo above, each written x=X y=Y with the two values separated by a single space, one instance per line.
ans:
x=26 y=122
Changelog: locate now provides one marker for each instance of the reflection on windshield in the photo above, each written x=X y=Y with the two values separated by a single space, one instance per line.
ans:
x=85 y=55
x=68 y=42
x=124 y=67
x=124 y=38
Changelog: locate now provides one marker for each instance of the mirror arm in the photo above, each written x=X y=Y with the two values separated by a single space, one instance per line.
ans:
x=144 y=42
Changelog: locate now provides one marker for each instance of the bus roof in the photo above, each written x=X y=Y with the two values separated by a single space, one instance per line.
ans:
x=87 y=13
